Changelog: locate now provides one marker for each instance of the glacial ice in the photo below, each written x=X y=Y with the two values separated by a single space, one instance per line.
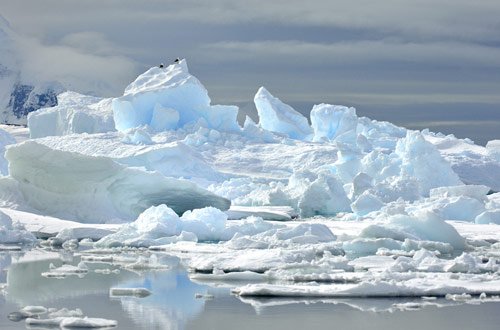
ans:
x=276 y=116
x=382 y=210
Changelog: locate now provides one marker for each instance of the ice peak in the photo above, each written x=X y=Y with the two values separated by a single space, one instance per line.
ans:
x=276 y=116
x=263 y=93
x=158 y=78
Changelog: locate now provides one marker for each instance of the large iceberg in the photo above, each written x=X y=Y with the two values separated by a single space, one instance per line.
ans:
x=169 y=98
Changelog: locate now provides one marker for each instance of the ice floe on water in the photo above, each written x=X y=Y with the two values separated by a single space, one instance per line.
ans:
x=345 y=206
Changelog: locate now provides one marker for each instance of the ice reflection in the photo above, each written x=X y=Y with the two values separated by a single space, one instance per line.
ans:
x=172 y=303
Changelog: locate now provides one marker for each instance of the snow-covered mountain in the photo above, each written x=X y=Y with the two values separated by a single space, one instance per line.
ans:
x=20 y=95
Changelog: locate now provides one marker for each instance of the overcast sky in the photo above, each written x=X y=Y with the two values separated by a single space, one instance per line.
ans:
x=422 y=63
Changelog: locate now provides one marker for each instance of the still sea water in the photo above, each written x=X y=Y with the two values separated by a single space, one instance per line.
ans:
x=177 y=302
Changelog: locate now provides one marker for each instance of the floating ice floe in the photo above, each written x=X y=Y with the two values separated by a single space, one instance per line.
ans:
x=133 y=292
x=66 y=270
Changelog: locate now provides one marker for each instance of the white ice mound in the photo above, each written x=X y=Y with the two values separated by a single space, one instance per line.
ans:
x=330 y=122
x=75 y=113
x=421 y=160
x=493 y=148
x=423 y=226
x=13 y=233
x=161 y=225
x=474 y=164
x=279 y=117
x=169 y=98
x=96 y=189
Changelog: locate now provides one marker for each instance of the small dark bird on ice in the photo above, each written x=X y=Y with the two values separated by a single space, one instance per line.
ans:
x=177 y=60
x=161 y=65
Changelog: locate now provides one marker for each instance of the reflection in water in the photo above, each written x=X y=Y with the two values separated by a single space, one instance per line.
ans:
x=173 y=303
x=170 y=305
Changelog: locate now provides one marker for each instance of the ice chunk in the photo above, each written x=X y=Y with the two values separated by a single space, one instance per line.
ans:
x=276 y=213
x=493 y=148
x=164 y=118
x=366 y=203
x=64 y=312
x=87 y=322
x=490 y=216
x=279 y=117
x=427 y=225
x=34 y=309
x=325 y=196
x=420 y=159
x=461 y=208
x=474 y=164
x=155 y=225
x=134 y=292
x=74 y=113
x=168 y=98
x=136 y=136
x=331 y=122
x=478 y=192
x=14 y=233
x=65 y=184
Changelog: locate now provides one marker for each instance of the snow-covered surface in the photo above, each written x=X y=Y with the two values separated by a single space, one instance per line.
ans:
x=346 y=206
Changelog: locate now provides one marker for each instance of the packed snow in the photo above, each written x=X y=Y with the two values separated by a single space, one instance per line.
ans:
x=343 y=207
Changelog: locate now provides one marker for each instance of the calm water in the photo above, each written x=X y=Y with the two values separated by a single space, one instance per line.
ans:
x=173 y=304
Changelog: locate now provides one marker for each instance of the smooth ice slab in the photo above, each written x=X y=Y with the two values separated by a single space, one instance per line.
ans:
x=65 y=184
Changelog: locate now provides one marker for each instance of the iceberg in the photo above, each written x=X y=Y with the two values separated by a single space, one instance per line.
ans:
x=384 y=211
x=169 y=98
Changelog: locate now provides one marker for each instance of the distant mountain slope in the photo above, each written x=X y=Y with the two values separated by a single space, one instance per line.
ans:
x=18 y=95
